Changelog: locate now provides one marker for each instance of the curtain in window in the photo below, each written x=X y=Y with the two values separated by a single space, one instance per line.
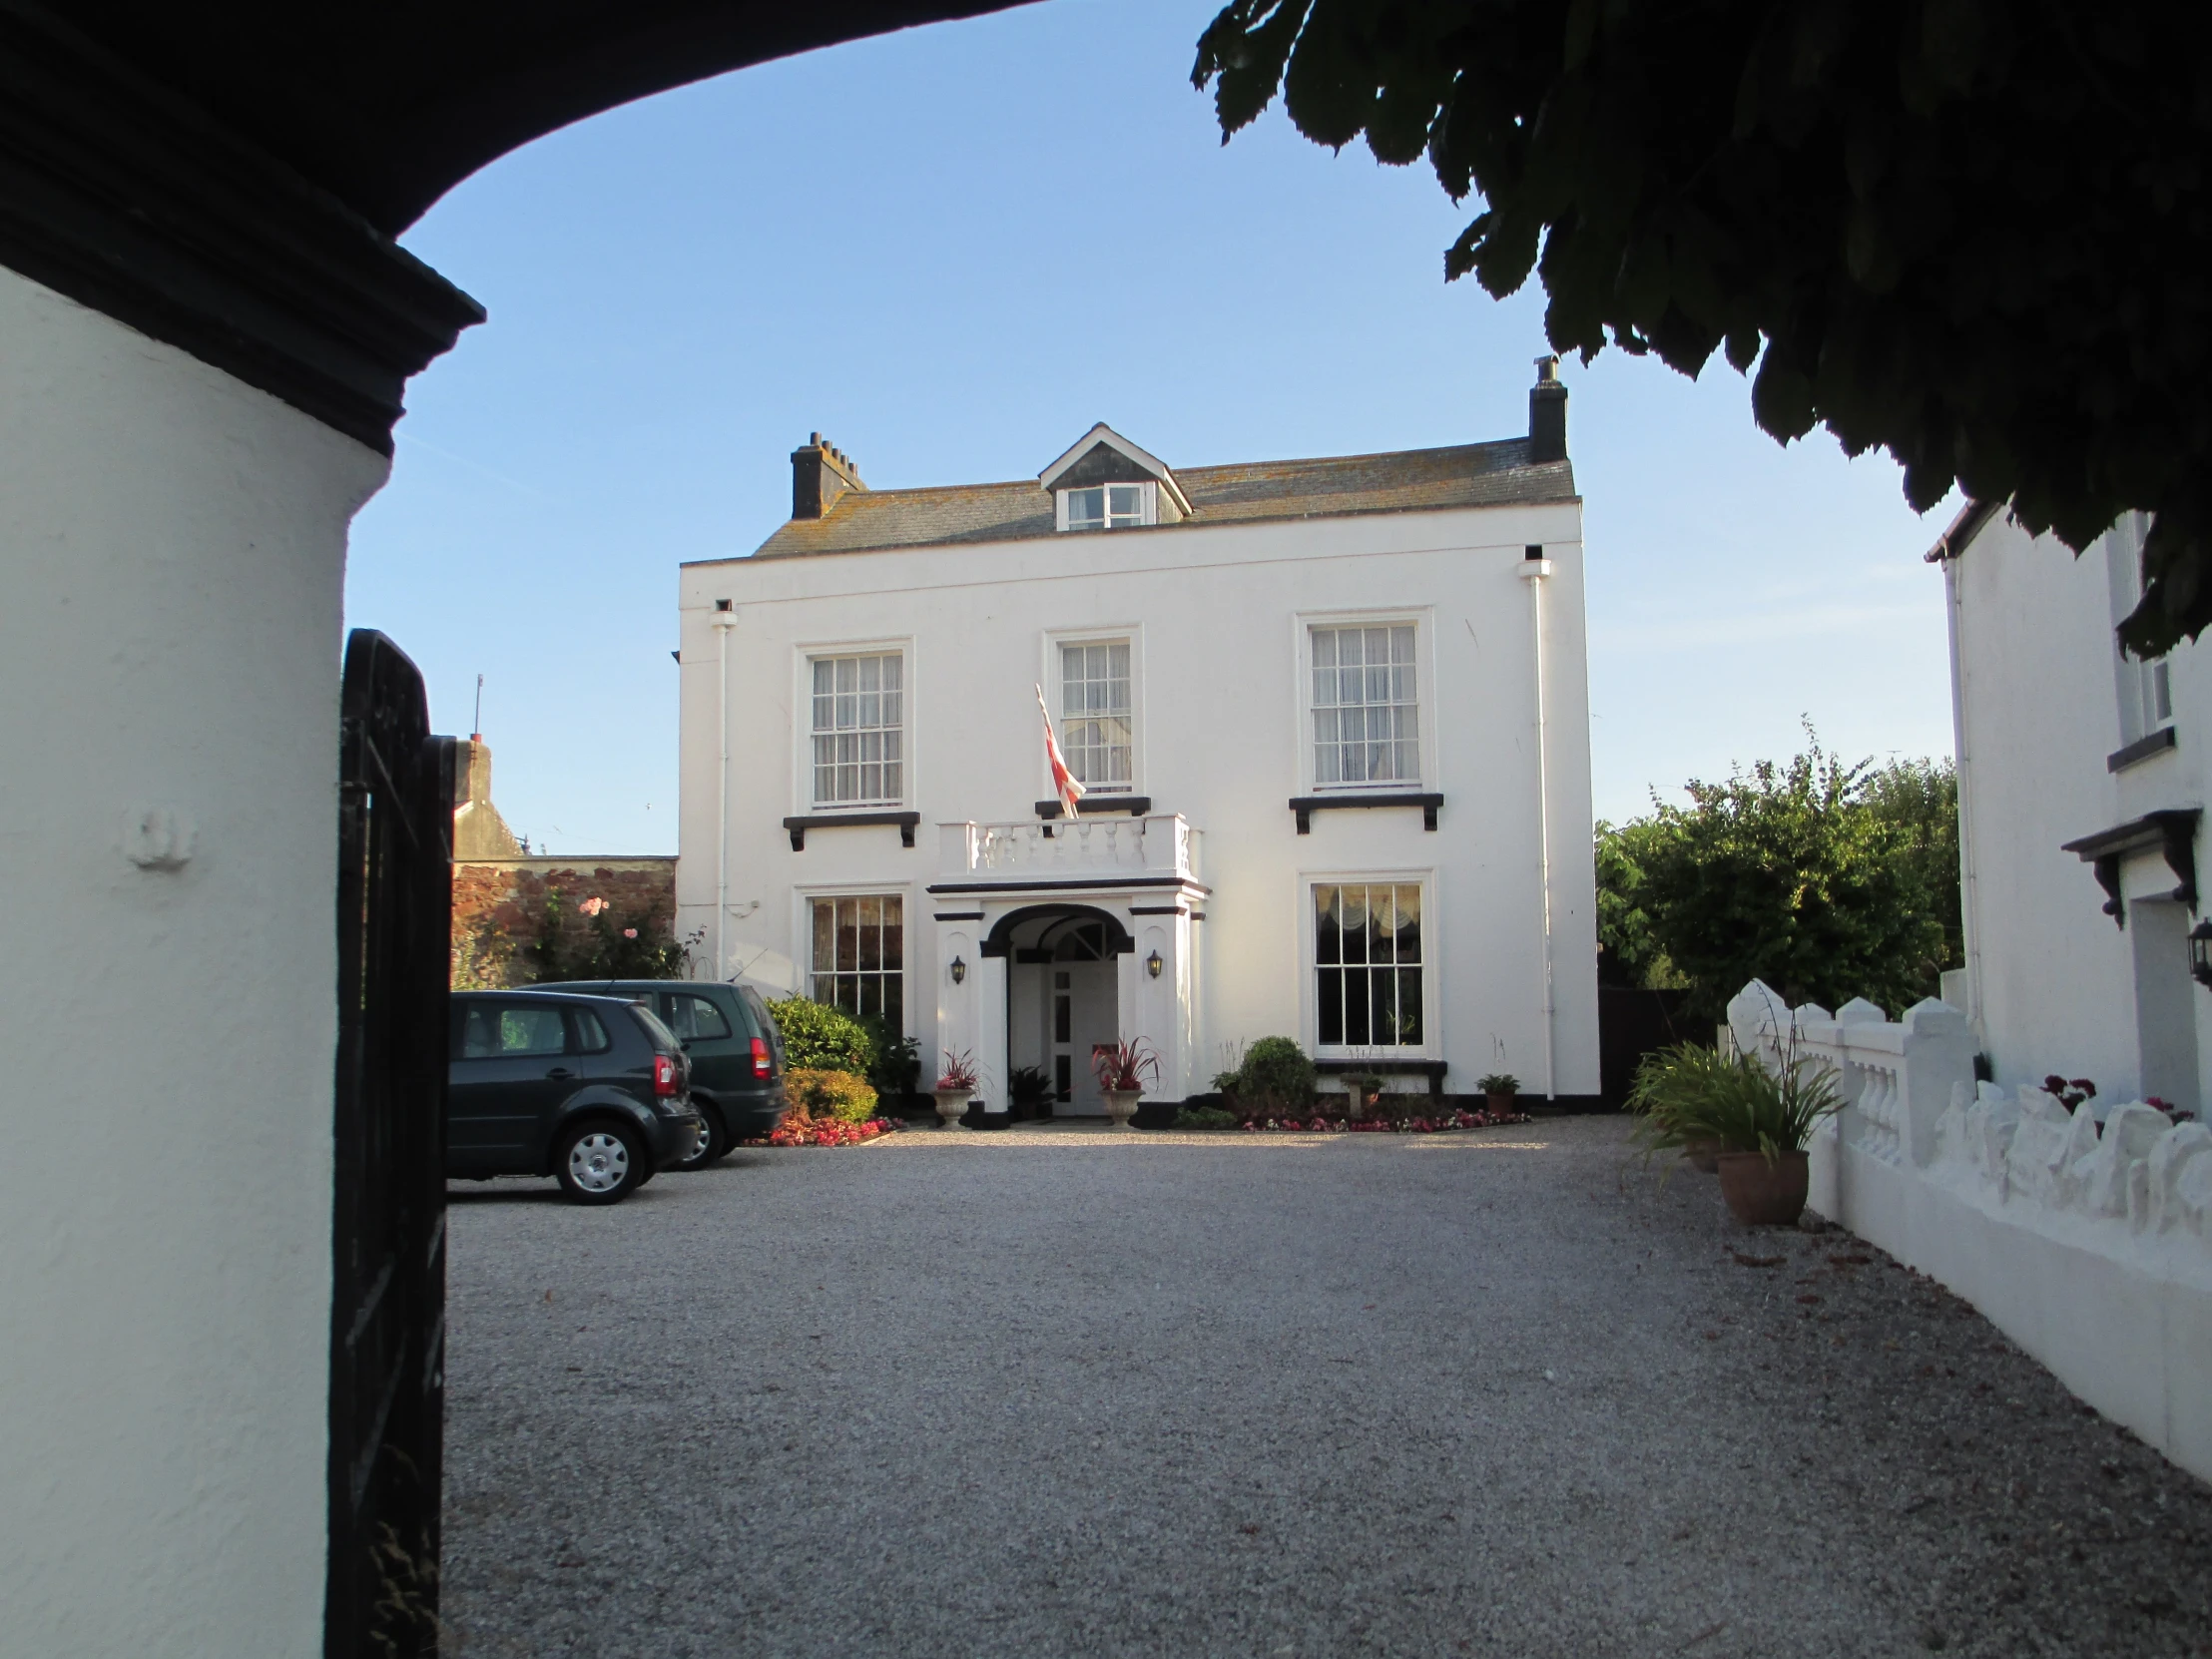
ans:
x=859 y=725
x=1367 y=964
x=1094 y=713
x=1367 y=715
x=859 y=955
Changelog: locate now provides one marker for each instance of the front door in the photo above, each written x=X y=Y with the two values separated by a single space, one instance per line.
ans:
x=1080 y=1006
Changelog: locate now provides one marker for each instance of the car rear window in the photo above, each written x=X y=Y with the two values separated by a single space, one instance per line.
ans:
x=692 y=1016
x=663 y=1038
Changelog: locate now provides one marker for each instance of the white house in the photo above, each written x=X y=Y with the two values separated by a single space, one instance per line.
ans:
x=2082 y=786
x=1331 y=720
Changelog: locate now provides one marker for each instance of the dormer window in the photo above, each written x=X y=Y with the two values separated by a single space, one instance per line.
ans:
x=1107 y=483
x=1106 y=507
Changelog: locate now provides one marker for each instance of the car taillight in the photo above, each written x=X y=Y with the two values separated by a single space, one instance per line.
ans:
x=761 y=1065
x=664 y=1074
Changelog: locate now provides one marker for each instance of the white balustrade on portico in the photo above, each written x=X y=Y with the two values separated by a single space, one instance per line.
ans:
x=1059 y=849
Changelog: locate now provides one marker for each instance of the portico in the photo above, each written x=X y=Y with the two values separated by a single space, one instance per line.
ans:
x=1056 y=936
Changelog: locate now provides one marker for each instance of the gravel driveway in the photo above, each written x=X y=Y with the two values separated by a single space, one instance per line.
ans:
x=1066 y=1392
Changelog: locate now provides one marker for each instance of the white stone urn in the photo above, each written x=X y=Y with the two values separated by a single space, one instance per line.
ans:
x=953 y=1105
x=1121 y=1105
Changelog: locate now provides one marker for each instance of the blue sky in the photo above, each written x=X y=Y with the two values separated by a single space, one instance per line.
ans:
x=952 y=249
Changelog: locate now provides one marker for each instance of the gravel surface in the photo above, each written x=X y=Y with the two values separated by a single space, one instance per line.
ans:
x=1068 y=1391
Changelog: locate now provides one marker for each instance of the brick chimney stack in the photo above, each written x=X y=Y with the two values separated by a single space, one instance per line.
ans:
x=820 y=473
x=1548 y=414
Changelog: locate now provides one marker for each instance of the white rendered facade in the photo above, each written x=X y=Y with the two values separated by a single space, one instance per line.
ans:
x=2062 y=740
x=175 y=542
x=1192 y=644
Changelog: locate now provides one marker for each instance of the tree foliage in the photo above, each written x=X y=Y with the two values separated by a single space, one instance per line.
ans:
x=1970 y=233
x=1827 y=881
x=593 y=940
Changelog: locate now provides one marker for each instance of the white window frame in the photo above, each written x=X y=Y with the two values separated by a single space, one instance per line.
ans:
x=1432 y=1046
x=802 y=724
x=803 y=895
x=1055 y=685
x=1148 y=505
x=2143 y=684
x=1422 y=621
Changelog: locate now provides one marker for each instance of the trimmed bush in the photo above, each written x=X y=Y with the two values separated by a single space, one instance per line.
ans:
x=837 y=1095
x=818 y=1037
x=1205 y=1117
x=1276 y=1076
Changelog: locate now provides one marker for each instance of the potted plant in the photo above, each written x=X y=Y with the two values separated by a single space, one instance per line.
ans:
x=1121 y=1069
x=1672 y=1093
x=1498 y=1089
x=1760 y=1114
x=1366 y=1091
x=955 y=1087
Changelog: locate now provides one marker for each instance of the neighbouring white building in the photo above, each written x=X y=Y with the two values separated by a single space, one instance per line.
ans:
x=2081 y=786
x=1331 y=714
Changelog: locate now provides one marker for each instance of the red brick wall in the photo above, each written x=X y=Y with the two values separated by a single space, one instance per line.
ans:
x=498 y=906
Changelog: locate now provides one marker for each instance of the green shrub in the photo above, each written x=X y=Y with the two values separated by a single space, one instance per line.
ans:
x=1276 y=1076
x=1205 y=1117
x=818 y=1037
x=830 y=1094
x=896 y=1067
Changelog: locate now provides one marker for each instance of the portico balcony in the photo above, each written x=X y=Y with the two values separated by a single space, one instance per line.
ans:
x=1103 y=851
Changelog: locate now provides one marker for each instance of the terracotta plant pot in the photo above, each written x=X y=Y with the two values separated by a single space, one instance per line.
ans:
x=953 y=1104
x=1704 y=1156
x=1761 y=1194
x=1121 y=1105
x=1500 y=1101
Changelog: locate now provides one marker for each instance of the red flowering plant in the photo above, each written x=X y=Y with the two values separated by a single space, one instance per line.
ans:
x=827 y=1132
x=2174 y=1114
x=1401 y=1123
x=1121 y=1068
x=2069 y=1094
x=959 y=1072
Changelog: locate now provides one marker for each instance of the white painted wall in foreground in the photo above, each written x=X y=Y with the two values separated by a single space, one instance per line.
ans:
x=174 y=545
x=2085 y=1236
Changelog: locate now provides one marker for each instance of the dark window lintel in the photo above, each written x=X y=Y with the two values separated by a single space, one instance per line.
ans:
x=799 y=827
x=1306 y=806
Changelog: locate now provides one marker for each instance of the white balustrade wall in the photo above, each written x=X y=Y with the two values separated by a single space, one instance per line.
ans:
x=2085 y=1235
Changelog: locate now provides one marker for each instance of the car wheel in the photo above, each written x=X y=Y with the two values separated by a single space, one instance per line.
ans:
x=713 y=1141
x=600 y=1163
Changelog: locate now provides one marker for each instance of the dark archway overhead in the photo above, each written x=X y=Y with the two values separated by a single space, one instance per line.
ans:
x=388 y=106
x=228 y=177
x=999 y=941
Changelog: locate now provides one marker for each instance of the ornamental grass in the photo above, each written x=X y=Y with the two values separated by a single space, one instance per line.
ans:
x=1689 y=1097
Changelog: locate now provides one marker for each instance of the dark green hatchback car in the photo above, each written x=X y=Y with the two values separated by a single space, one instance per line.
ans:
x=737 y=1054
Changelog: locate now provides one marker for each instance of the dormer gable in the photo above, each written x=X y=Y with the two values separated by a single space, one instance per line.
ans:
x=1105 y=482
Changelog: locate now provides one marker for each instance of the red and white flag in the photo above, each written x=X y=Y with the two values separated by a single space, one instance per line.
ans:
x=1063 y=781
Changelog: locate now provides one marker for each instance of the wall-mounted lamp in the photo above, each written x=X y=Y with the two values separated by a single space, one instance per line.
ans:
x=960 y=970
x=2200 y=952
x=1153 y=964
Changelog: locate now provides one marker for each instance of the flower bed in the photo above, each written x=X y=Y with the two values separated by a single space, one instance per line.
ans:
x=827 y=1132
x=1406 y=1124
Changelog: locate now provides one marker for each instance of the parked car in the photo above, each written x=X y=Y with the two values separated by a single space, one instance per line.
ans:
x=591 y=1090
x=737 y=1054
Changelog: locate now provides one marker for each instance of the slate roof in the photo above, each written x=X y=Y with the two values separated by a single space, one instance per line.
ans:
x=1408 y=481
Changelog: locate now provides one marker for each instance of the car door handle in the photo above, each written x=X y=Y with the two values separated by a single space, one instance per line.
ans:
x=560 y=1072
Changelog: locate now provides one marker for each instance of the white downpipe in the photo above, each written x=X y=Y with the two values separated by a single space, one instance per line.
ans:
x=1968 y=885
x=723 y=620
x=1533 y=572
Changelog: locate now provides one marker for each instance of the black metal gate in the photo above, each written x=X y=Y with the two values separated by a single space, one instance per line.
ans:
x=387 y=1305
